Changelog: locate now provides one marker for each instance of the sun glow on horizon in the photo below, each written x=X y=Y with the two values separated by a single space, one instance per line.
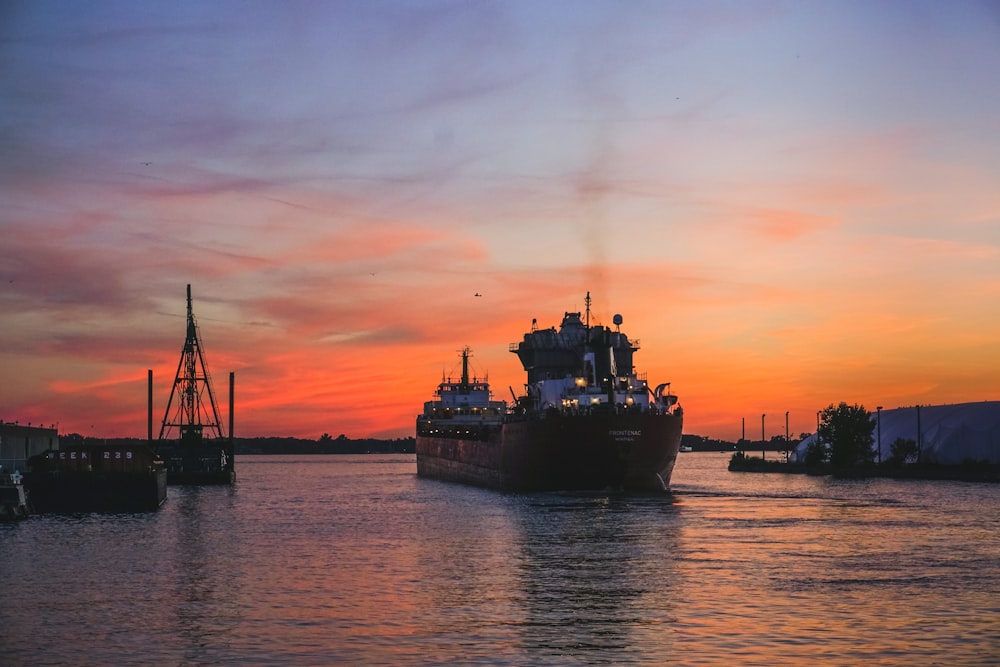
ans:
x=783 y=223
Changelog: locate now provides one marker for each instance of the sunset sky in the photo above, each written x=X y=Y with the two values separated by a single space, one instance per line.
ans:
x=791 y=204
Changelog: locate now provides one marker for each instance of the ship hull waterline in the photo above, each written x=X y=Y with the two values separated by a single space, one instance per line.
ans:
x=66 y=492
x=632 y=453
x=198 y=463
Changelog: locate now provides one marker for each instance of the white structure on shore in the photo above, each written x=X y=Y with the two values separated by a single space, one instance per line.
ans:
x=18 y=443
x=948 y=434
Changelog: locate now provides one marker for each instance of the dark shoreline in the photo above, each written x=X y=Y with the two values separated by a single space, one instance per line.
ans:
x=344 y=445
x=282 y=445
x=963 y=472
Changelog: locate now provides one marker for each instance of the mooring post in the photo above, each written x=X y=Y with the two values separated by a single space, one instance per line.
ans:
x=232 y=382
x=149 y=418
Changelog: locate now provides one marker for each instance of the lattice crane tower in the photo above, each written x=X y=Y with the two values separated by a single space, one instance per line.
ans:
x=196 y=409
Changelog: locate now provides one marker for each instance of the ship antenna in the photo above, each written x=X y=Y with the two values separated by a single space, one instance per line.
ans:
x=587 y=301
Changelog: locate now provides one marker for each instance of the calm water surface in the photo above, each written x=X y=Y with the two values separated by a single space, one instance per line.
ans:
x=354 y=560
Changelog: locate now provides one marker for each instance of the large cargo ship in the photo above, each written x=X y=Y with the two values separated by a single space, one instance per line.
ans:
x=587 y=420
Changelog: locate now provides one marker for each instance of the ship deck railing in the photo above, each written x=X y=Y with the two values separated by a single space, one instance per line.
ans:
x=475 y=413
x=583 y=411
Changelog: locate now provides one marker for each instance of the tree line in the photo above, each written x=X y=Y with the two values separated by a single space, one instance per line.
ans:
x=844 y=447
x=844 y=441
x=325 y=444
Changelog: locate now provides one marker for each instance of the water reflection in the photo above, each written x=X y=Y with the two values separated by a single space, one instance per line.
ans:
x=598 y=576
x=341 y=560
x=200 y=565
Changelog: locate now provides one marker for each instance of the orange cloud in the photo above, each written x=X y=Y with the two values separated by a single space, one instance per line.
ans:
x=783 y=225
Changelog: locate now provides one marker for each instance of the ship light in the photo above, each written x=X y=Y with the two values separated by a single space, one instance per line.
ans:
x=595 y=400
x=581 y=382
x=630 y=400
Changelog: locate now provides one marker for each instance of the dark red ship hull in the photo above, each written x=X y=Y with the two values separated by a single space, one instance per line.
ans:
x=631 y=452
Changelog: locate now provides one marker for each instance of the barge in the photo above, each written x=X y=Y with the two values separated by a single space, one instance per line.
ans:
x=96 y=478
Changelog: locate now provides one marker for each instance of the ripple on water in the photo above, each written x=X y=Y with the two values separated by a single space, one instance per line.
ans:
x=354 y=560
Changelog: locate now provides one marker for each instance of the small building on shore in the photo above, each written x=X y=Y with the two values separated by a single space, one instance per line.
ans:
x=18 y=443
x=945 y=434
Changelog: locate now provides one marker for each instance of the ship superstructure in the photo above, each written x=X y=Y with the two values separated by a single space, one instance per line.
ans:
x=582 y=368
x=463 y=406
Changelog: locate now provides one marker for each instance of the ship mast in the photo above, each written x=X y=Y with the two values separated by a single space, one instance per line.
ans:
x=465 y=367
x=196 y=407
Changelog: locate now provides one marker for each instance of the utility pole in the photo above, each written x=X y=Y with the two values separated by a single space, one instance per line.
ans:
x=878 y=425
x=919 y=439
x=788 y=445
x=762 y=441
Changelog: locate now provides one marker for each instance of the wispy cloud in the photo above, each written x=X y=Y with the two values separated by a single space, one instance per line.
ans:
x=783 y=222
